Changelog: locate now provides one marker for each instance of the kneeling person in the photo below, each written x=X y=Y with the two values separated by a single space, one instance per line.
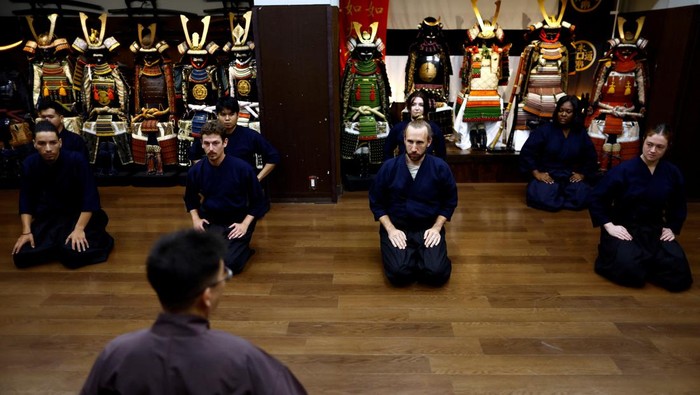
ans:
x=412 y=196
x=231 y=199
x=59 y=207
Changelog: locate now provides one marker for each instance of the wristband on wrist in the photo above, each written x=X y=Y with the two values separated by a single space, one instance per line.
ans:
x=24 y=234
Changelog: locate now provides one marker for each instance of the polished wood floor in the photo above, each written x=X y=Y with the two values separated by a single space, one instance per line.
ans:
x=522 y=313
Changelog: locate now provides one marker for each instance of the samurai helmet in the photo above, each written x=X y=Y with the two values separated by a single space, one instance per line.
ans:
x=553 y=21
x=629 y=38
x=240 y=30
x=94 y=41
x=45 y=40
x=485 y=29
x=430 y=28
x=196 y=44
x=148 y=43
x=365 y=39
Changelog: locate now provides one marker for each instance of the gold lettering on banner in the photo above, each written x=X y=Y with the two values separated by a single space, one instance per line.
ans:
x=373 y=11
x=585 y=54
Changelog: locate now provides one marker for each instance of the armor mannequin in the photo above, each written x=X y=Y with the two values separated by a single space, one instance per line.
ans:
x=484 y=70
x=15 y=134
x=543 y=72
x=50 y=76
x=619 y=97
x=428 y=69
x=196 y=83
x=240 y=74
x=365 y=104
x=154 y=141
x=105 y=96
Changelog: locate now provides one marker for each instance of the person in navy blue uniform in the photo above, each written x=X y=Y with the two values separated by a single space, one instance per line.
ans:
x=180 y=353
x=640 y=206
x=412 y=197
x=231 y=199
x=59 y=207
x=243 y=143
x=418 y=109
x=53 y=112
x=561 y=159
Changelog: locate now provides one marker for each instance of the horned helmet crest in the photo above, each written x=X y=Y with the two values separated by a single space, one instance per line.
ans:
x=147 y=43
x=46 y=40
x=485 y=29
x=240 y=31
x=94 y=40
x=196 y=44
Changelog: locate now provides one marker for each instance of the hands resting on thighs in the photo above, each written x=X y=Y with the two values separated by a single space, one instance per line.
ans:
x=431 y=238
x=621 y=232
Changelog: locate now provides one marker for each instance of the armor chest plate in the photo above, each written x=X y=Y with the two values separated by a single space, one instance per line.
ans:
x=365 y=92
x=201 y=89
x=153 y=91
x=55 y=84
x=619 y=88
x=104 y=92
x=429 y=70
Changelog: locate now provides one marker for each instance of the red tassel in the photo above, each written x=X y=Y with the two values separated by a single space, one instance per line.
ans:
x=95 y=93
x=372 y=94
x=110 y=93
x=358 y=94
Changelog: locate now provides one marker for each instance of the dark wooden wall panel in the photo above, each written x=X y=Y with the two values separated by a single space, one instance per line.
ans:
x=298 y=74
x=674 y=36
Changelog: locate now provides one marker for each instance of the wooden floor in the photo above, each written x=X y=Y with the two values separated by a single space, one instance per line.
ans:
x=522 y=313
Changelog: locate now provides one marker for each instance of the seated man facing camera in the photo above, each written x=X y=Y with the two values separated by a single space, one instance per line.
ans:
x=179 y=354
x=412 y=197
x=59 y=207
x=224 y=196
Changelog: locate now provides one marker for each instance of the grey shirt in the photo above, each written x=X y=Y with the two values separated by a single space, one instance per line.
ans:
x=179 y=354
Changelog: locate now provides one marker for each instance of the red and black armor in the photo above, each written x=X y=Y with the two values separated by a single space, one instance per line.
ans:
x=154 y=141
x=618 y=102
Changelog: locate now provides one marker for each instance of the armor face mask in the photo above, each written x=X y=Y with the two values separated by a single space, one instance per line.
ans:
x=429 y=28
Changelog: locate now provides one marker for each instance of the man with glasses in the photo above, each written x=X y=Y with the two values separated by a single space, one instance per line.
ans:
x=224 y=196
x=179 y=354
x=243 y=142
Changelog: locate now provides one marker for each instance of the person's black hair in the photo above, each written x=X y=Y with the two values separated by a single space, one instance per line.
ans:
x=577 y=121
x=45 y=104
x=428 y=104
x=181 y=265
x=45 y=126
x=227 y=103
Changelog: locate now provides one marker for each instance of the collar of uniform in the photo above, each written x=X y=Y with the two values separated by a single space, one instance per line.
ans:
x=169 y=324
